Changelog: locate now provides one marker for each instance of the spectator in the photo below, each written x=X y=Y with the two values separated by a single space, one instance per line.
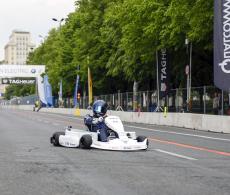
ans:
x=220 y=111
x=215 y=103
x=40 y=106
x=35 y=105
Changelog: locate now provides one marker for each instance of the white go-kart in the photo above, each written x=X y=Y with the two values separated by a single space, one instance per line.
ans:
x=118 y=138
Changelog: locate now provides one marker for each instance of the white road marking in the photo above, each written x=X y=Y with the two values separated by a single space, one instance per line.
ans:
x=173 y=132
x=175 y=154
x=59 y=115
x=55 y=124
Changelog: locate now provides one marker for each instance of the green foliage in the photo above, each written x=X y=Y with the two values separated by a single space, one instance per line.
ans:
x=19 y=91
x=118 y=39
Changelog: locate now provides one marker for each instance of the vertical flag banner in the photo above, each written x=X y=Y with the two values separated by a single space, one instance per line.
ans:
x=60 y=90
x=90 y=87
x=222 y=44
x=48 y=91
x=163 y=72
x=41 y=91
x=76 y=91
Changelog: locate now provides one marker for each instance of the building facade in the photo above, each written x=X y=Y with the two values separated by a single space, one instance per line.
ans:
x=18 y=47
x=16 y=52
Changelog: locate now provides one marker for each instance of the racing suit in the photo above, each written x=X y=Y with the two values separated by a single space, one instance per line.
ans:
x=95 y=124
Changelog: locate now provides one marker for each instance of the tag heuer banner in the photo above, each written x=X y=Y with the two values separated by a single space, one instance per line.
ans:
x=18 y=81
x=163 y=72
x=222 y=44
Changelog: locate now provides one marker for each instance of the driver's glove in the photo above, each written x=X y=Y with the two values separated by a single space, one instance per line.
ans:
x=100 y=119
x=95 y=121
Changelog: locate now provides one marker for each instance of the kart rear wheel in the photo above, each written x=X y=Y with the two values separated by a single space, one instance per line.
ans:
x=55 y=138
x=85 y=142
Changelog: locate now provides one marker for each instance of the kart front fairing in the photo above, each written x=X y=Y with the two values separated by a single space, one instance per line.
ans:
x=121 y=145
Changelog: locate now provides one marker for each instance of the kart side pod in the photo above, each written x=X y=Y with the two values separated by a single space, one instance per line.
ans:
x=71 y=139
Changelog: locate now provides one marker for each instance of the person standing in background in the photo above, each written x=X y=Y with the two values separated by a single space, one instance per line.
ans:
x=215 y=103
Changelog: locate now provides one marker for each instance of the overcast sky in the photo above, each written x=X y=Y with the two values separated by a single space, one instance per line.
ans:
x=34 y=16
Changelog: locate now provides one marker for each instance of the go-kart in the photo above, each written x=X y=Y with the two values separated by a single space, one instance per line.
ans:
x=118 y=139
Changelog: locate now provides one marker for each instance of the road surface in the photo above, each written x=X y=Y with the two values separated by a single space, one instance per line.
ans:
x=178 y=162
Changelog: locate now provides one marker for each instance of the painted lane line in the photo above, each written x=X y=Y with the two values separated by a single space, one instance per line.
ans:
x=176 y=133
x=62 y=116
x=191 y=147
x=55 y=124
x=175 y=154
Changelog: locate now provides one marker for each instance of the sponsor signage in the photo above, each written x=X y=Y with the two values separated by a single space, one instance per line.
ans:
x=21 y=70
x=27 y=71
x=163 y=72
x=222 y=44
x=18 y=81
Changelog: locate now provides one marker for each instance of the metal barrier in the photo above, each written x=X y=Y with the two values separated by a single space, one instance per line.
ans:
x=146 y=101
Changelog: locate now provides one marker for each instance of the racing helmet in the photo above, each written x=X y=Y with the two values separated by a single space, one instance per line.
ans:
x=100 y=108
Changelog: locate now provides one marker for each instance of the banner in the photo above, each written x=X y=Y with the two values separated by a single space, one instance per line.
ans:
x=7 y=70
x=163 y=73
x=41 y=91
x=76 y=92
x=60 y=91
x=90 y=87
x=222 y=44
x=18 y=81
x=48 y=91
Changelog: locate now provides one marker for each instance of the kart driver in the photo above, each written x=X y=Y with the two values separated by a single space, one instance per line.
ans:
x=96 y=122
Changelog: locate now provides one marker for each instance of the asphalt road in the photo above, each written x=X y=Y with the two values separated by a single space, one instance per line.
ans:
x=178 y=161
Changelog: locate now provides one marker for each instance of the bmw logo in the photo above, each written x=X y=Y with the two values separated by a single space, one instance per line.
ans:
x=33 y=71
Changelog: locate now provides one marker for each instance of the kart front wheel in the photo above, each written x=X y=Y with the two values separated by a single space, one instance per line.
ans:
x=142 y=138
x=86 y=142
x=55 y=138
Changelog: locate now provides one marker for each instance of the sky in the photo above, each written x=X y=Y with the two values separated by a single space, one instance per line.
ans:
x=34 y=16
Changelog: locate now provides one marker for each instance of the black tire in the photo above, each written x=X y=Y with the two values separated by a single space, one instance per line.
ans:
x=142 y=138
x=86 y=142
x=55 y=138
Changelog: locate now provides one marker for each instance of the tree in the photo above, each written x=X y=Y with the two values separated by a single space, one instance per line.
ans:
x=118 y=40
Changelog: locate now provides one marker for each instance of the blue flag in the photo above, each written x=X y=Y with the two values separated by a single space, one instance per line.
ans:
x=48 y=91
x=76 y=91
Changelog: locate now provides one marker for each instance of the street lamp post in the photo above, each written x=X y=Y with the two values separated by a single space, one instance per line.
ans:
x=189 y=72
x=59 y=21
x=60 y=100
x=42 y=38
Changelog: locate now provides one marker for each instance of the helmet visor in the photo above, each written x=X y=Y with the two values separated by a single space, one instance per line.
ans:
x=98 y=109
